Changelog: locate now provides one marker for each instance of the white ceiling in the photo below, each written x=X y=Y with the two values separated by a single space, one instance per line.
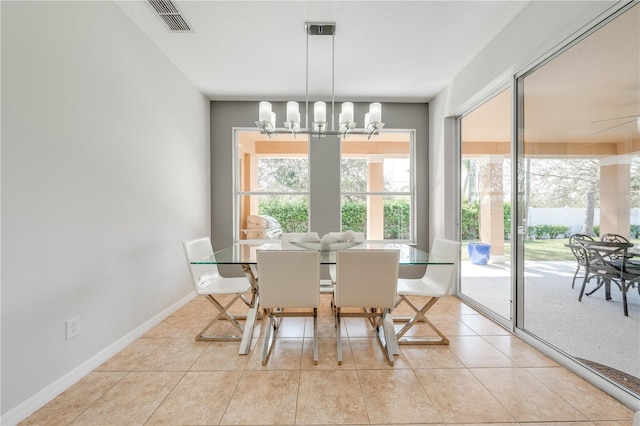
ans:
x=402 y=51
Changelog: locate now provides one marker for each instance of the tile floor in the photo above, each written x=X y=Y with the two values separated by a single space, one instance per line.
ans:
x=486 y=375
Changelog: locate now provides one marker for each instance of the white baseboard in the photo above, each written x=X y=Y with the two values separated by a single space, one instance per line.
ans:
x=29 y=406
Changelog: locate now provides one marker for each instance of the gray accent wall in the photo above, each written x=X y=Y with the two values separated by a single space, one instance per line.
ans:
x=324 y=169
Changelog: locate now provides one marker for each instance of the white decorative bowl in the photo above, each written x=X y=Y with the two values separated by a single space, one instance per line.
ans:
x=325 y=247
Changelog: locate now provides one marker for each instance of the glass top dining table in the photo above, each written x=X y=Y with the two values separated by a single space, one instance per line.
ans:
x=245 y=253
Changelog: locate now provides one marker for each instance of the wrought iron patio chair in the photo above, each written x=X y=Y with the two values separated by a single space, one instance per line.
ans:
x=607 y=262
x=579 y=254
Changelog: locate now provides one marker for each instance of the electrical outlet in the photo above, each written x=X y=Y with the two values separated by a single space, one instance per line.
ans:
x=73 y=327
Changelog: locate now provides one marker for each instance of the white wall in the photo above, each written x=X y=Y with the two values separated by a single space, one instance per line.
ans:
x=105 y=170
x=538 y=28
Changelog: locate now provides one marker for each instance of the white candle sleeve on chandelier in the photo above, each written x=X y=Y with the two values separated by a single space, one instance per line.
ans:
x=292 y=111
x=366 y=120
x=347 y=112
x=319 y=112
x=375 y=112
x=273 y=119
x=264 y=111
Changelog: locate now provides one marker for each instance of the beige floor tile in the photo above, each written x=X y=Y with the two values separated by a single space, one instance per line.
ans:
x=369 y=355
x=474 y=351
x=292 y=327
x=493 y=378
x=131 y=356
x=560 y=424
x=487 y=424
x=396 y=396
x=451 y=325
x=200 y=398
x=177 y=327
x=286 y=354
x=330 y=397
x=589 y=400
x=198 y=306
x=358 y=327
x=173 y=355
x=522 y=353
x=447 y=324
x=430 y=356
x=483 y=325
x=525 y=397
x=221 y=328
x=451 y=306
x=460 y=397
x=327 y=355
x=263 y=397
x=420 y=330
x=447 y=306
x=131 y=401
x=417 y=424
x=220 y=356
x=72 y=402
x=326 y=327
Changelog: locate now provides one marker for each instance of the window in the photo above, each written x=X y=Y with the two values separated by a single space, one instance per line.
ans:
x=272 y=178
x=376 y=186
x=375 y=189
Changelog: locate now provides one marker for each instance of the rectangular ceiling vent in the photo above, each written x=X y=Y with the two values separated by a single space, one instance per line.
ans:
x=170 y=15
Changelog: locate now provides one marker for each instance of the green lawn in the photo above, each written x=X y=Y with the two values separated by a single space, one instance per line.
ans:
x=539 y=249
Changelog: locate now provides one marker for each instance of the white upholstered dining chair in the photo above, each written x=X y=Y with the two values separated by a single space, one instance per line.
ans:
x=359 y=237
x=367 y=279
x=208 y=282
x=288 y=279
x=436 y=283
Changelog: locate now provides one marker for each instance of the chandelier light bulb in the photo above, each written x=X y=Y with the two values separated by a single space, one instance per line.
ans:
x=347 y=112
x=264 y=111
x=375 y=112
x=293 y=114
x=320 y=112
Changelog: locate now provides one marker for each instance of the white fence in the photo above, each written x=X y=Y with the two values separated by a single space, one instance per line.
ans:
x=571 y=217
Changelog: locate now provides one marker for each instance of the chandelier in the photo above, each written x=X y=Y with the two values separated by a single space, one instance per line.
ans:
x=319 y=127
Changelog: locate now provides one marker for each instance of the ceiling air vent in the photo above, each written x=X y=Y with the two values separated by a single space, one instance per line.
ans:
x=170 y=15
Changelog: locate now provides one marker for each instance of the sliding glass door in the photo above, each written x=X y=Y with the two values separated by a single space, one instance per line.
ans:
x=578 y=152
x=485 y=176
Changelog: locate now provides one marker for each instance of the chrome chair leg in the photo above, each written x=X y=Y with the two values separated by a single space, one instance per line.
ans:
x=315 y=335
x=419 y=317
x=271 y=328
x=338 y=336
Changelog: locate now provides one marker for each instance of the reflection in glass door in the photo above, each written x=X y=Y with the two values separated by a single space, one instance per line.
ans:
x=486 y=270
